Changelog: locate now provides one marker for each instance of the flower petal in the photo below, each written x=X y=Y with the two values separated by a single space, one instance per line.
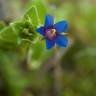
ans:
x=61 y=26
x=48 y=21
x=62 y=40
x=49 y=43
x=40 y=30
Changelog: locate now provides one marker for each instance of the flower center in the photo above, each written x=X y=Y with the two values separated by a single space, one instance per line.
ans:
x=50 y=33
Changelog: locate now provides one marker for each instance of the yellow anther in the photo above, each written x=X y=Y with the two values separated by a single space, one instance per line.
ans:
x=53 y=31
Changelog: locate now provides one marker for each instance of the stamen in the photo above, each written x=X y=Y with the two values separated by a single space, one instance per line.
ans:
x=65 y=33
x=53 y=31
x=50 y=33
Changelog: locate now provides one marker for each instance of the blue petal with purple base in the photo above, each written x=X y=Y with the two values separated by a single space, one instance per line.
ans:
x=52 y=32
x=48 y=21
x=40 y=30
x=49 y=44
x=61 y=41
x=61 y=26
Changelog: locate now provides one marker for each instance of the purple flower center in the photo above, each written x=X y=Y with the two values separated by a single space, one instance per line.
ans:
x=50 y=33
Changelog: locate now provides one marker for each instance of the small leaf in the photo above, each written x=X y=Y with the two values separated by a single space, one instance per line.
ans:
x=8 y=35
x=41 y=6
x=32 y=16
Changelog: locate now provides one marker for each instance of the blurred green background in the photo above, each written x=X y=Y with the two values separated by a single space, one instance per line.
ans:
x=27 y=68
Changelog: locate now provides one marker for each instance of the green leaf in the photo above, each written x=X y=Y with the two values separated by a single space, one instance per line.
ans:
x=37 y=12
x=31 y=16
x=8 y=35
x=41 y=6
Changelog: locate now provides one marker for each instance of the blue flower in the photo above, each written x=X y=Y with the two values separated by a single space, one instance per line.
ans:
x=53 y=32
